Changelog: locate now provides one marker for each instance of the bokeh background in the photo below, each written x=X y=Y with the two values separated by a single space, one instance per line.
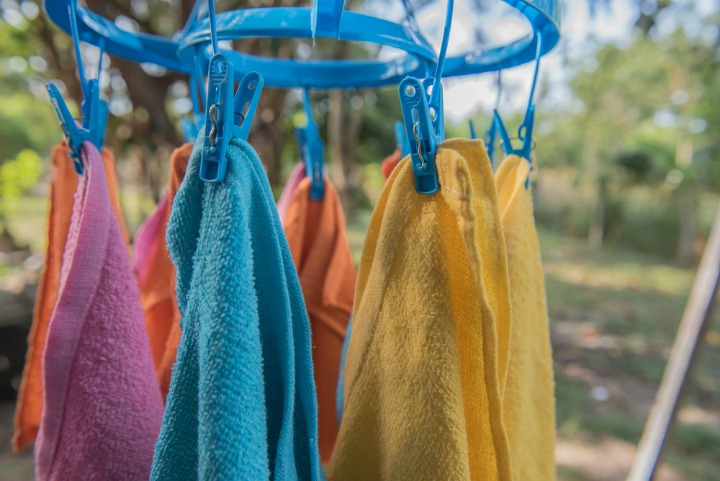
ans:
x=628 y=149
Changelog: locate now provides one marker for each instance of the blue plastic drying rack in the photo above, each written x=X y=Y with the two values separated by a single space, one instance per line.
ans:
x=326 y=18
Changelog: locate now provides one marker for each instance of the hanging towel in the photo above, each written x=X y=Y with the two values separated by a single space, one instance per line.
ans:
x=63 y=183
x=296 y=176
x=315 y=231
x=101 y=405
x=242 y=397
x=156 y=276
x=529 y=402
x=422 y=395
x=389 y=164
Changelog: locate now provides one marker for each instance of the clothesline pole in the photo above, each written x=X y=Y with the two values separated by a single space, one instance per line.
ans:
x=696 y=318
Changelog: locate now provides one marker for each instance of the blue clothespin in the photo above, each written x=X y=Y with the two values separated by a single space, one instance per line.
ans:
x=93 y=110
x=490 y=137
x=301 y=141
x=313 y=152
x=218 y=119
x=437 y=109
x=247 y=97
x=218 y=111
x=471 y=126
x=75 y=135
x=525 y=131
x=422 y=137
x=424 y=117
x=401 y=139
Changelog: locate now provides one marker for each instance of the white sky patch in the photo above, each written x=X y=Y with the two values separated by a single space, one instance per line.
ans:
x=464 y=96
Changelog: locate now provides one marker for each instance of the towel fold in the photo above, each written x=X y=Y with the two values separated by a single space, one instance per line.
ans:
x=422 y=394
x=242 y=403
x=389 y=164
x=156 y=275
x=63 y=184
x=529 y=401
x=101 y=403
x=315 y=231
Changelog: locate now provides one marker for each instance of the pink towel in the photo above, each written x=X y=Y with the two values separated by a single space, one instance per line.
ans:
x=283 y=204
x=145 y=239
x=102 y=405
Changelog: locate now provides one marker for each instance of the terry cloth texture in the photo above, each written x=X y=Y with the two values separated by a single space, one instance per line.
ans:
x=296 y=176
x=63 y=184
x=529 y=402
x=242 y=402
x=422 y=391
x=101 y=404
x=315 y=231
x=389 y=164
x=156 y=275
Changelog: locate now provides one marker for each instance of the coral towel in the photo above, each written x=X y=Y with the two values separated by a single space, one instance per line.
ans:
x=102 y=406
x=63 y=183
x=389 y=164
x=242 y=402
x=529 y=401
x=315 y=231
x=422 y=394
x=156 y=275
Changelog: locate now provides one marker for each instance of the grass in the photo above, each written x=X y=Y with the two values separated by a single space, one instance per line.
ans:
x=614 y=316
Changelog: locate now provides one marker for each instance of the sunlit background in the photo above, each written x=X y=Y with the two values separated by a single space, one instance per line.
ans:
x=628 y=155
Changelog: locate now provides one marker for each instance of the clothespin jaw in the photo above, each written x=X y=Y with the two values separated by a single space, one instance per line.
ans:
x=421 y=135
x=247 y=97
x=94 y=113
x=74 y=134
x=525 y=134
x=437 y=112
x=401 y=139
x=471 y=126
x=313 y=152
x=314 y=148
x=301 y=141
x=218 y=119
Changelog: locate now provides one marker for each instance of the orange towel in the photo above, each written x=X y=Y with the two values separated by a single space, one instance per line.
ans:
x=389 y=164
x=156 y=276
x=315 y=232
x=63 y=183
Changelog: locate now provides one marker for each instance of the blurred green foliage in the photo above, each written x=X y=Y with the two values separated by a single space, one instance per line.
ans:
x=17 y=176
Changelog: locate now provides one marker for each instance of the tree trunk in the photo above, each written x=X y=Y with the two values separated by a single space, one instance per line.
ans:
x=688 y=205
x=688 y=226
x=596 y=233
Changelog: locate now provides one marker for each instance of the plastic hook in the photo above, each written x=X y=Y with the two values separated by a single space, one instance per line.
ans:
x=313 y=154
x=525 y=131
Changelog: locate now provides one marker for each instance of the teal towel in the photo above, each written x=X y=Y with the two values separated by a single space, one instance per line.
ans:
x=242 y=402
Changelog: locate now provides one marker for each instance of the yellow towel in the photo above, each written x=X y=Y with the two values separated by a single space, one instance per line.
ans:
x=529 y=401
x=422 y=395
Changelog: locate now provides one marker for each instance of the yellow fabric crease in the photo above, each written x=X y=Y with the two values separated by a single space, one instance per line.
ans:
x=431 y=326
x=529 y=401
